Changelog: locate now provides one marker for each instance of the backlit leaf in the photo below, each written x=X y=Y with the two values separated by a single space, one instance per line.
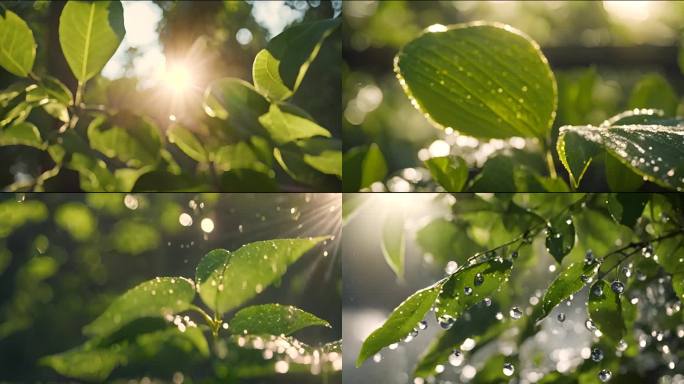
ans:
x=187 y=142
x=605 y=310
x=285 y=127
x=272 y=319
x=132 y=139
x=451 y=172
x=560 y=237
x=17 y=45
x=23 y=133
x=570 y=280
x=393 y=242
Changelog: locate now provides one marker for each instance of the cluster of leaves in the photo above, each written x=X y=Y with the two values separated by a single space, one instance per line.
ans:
x=491 y=81
x=148 y=319
x=244 y=132
x=618 y=246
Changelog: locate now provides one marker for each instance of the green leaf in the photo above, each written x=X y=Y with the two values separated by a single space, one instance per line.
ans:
x=85 y=363
x=446 y=241
x=351 y=204
x=272 y=319
x=626 y=208
x=169 y=182
x=605 y=310
x=678 y=285
x=14 y=214
x=187 y=142
x=134 y=237
x=451 y=172
x=653 y=91
x=580 y=154
x=660 y=163
x=279 y=69
x=238 y=156
x=670 y=254
x=393 y=242
x=619 y=177
x=486 y=80
x=400 y=322
x=23 y=133
x=285 y=127
x=305 y=159
x=237 y=102
x=481 y=279
x=132 y=139
x=162 y=296
x=496 y=176
x=373 y=166
x=323 y=155
x=89 y=33
x=248 y=180
x=560 y=237
x=17 y=45
x=56 y=90
x=228 y=279
x=77 y=219
x=568 y=281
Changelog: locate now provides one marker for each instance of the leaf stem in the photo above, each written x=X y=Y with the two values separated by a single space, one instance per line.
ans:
x=549 y=159
x=207 y=318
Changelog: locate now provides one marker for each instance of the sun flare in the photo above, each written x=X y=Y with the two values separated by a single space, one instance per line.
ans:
x=178 y=78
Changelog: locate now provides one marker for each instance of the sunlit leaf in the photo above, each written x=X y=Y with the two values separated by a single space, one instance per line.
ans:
x=134 y=237
x=605 y=310
x=560 y=237
x=373 y=166
x=14 y=214
x=496 y=176
x=576 y=154
x=403 y=319
x=134 y=140
x=304 y=160
x=660 y=163
x=351 y=204
x=285 y=127
x=654 y=91
x=393 y=241
x=228 y=279
x=89 y=34
x=272 y=319
x=23 y=133
x=323 y=154
x=483 y=79
x=237 y=102
x=470 y=286
x=187 y=142
x=77 y=220
x=570 y=280
x=279 y=69
x=159 y=297
x=238 y=156
x=450 y=172
x=17 y=45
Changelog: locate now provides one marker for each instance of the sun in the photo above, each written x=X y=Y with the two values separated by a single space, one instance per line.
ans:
x=178 y=78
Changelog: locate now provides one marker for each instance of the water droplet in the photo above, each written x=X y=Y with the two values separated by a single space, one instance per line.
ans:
x=597 y=290
x=617 y=287
x=621 y=346
x=641 y=276
x=604 y=375
x=589 y=324
x=589 y=257
x=478 y=280
x=524 y=88
x=596 y=355
x=451 y=267
x=456 y=358
x=185 y=220
x=487 y=301
x=468 y=291
x=422 y=325
x=508 y=369
x=514 y=254
x=515 y=313
x=393 y=346
x=561 y=317
x=207 y=225
x=446 y=321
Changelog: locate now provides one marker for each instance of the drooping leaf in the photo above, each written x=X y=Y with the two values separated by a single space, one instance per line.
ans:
x=654 y=91
x=89 y=34
x=605 y=310
x=159 y=297
x=272 y=319
x=652 y=151
x=403 y=319
x=23 y=133
x=187 y=142
x=470 y=286
x=450 y=172
x=228 y=279
x=570 y=280
x=487 y=80
x=576 y=154
x=393 y=242
x=279 y=69
x=560 y=237
x=285 y=127
x=17 y=45
x=132 y=139
x=237 y=102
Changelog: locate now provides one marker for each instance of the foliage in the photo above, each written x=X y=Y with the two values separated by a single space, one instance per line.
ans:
x=608 y=252
x=247 y=138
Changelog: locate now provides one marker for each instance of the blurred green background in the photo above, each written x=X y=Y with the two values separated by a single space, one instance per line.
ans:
x=65 y=257
x=607 y=57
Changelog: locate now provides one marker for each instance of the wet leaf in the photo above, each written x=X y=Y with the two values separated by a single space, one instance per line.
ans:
x=393 y=242
x=272 y=319
x=17 y=45
x=619 y=177
x=652 y=151
x=228 y=279
x=486 y=80
x=89 y=34
x=560 y=237
x=403 y=319
x=158 y=297
x=568 y=282
x=605 y=311
x=451 y=172
x=279 y=69
x=446 y=241
x=454 y=301
x=578 y=155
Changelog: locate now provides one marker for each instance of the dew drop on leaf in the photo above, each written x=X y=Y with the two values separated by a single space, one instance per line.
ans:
x=478 y=280
x=561 y=317
x=589 y=324
x=617 y=287
x=456 y=358
x=604 y=375
x=422 y=324
x=596 y=355
x=515 y=313
x=508 y=369
x=468 y=291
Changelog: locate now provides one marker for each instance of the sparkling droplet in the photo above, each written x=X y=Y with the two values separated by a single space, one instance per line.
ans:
x=514 y=254
x=446 y=321
x=597 y=290
x=589 y=257
x=617 y=287
x=515 y=313
x=589 y=324
x=596 y=355
x=508 y=369
x=422 y=325
x=604 y=375
x=377 y=358
x=487 y=301
x=561 y=317
x=478 y=280
x=621 y=346
x=393 y=346
x=456 y=358
x=468 y=291
x=451 y=267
